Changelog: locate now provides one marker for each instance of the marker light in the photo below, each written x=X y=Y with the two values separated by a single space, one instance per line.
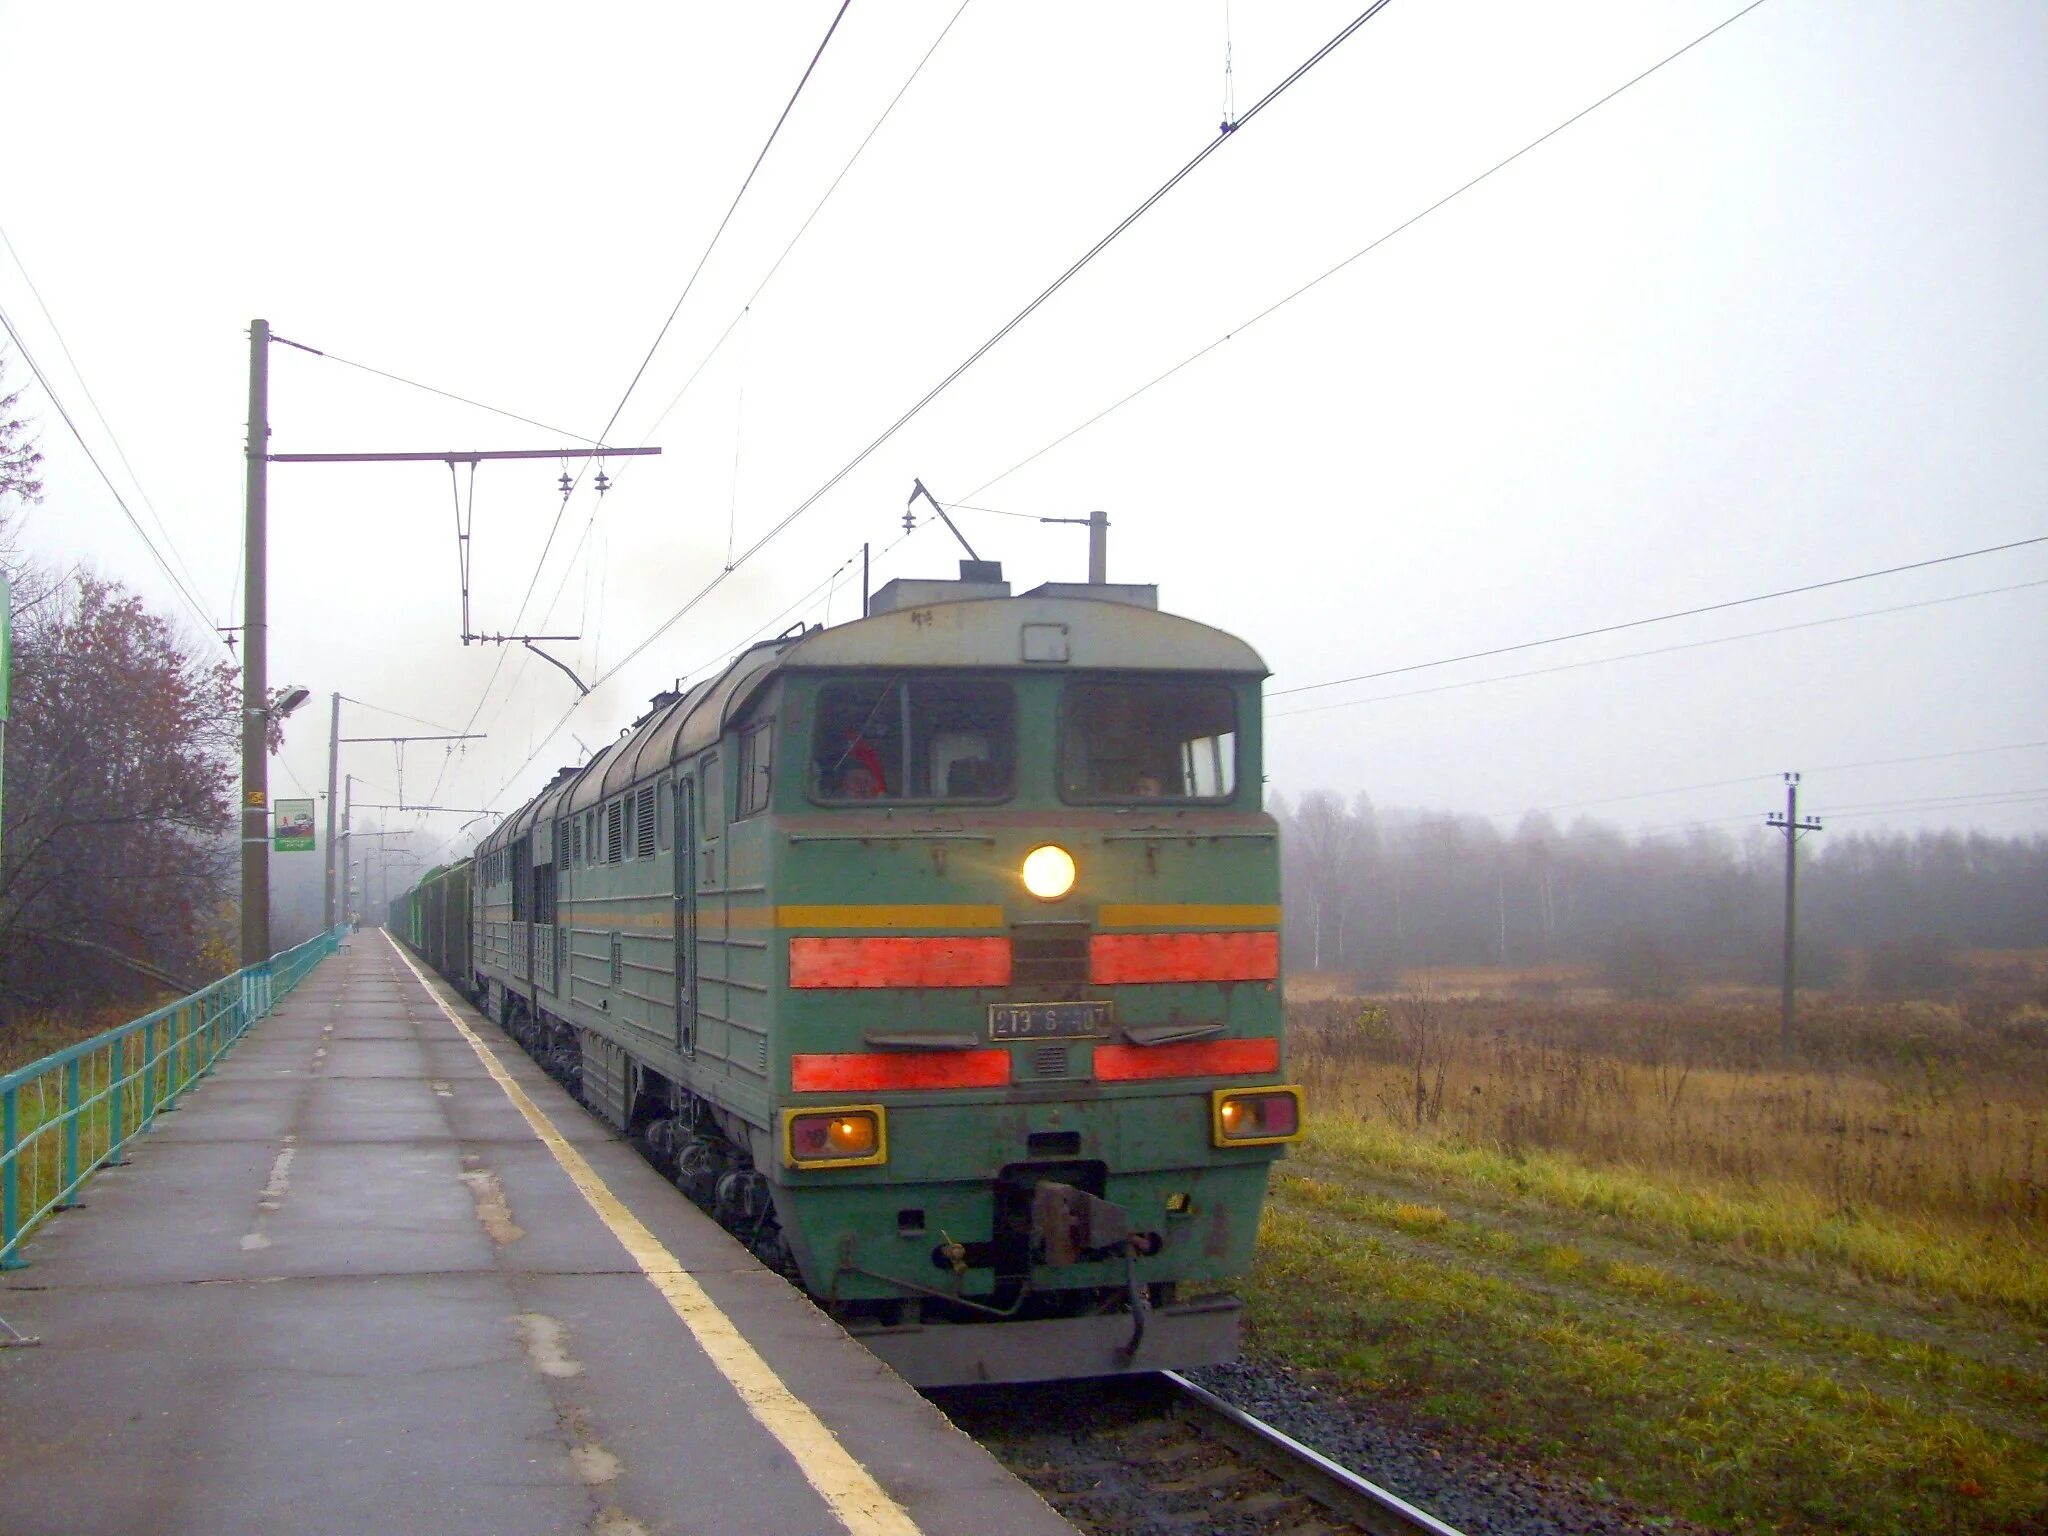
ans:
x=1254 y=1117
x=852 y=1137
x=1048 y=872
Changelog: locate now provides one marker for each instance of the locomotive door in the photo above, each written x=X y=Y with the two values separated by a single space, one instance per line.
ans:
x=686 y=913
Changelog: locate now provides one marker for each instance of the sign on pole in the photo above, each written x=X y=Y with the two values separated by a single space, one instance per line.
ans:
x=294 y=830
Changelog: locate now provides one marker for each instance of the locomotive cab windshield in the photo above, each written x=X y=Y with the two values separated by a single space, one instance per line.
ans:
x=944 y=737
x=1147 y=740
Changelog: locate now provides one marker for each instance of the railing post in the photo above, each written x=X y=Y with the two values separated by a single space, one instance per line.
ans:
x=10 y=1183
x=117 y=1089
x=173 y=1050
x=73 y=1098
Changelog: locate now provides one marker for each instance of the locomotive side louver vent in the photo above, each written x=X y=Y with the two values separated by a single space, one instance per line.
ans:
x=644 y=825
x=1049 y=1061
x=1049 y=960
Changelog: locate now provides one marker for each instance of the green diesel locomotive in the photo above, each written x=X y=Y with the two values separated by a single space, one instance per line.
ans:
x=938 y=954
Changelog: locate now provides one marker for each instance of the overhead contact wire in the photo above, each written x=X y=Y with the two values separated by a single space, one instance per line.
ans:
x=809 y=220
x=1660 y=618
x=1662 y=650
x=555 y=527
x=761 y=287
x=1222 y=137
x=691 y=282
x=1173 y=181
x=1363 y=251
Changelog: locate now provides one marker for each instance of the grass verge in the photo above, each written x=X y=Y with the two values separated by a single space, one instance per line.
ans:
x=1514 y=1323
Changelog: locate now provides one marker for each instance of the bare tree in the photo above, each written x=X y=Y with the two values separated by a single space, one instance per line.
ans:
x=120 y=763
x=19 y=456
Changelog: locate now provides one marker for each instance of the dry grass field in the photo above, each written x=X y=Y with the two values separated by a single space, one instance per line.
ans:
x=1635 y=1241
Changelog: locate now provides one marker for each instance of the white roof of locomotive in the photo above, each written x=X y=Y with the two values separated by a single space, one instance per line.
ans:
x=1007 y=631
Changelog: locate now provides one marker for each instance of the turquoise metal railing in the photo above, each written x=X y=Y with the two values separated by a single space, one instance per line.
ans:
x=68 y=1115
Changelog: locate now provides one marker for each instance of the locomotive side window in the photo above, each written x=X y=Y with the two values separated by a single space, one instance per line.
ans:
x=757 y=760
x=1130 y=741
x=921 y=738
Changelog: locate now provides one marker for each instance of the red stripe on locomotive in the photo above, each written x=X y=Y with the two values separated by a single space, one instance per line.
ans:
x=898 y=1069
x=899 y=962
x=1127 y=957
x=1199 y=1058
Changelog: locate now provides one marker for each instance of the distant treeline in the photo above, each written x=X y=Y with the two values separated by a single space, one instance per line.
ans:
x=1374 y=892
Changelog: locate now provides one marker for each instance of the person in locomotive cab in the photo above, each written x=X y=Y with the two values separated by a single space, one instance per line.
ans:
x=860 y=772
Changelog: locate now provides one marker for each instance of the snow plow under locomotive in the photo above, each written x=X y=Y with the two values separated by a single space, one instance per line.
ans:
x=937 y=953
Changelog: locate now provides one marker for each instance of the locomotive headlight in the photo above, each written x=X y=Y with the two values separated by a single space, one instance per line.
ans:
x=1048 y=872
x=856 y=1136
x=1254 y=1117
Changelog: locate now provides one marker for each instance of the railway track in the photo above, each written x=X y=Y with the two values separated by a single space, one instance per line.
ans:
x=1338 y=1489
x=1160 y=1456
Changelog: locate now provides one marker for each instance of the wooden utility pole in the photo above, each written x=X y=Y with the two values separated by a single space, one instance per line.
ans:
x=255 y=661
x=1792 y=826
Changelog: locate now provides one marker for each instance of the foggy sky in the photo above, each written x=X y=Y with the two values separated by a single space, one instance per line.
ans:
x=1770 y=318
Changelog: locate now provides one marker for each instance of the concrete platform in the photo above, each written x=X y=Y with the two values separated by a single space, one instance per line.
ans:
x=350 y=1285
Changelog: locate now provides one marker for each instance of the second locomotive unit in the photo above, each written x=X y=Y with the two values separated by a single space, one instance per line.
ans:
x=938 y=954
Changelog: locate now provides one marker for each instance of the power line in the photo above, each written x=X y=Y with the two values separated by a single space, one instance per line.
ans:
x=285 y=763
x=1662 y=650
x=1362 y=251
x=1660 y=618
x=788 y=107
x=752 y=298
x=400 y=714
x=1226 y=133
x=112 y=490
x=1753 y=778
x=1602 y=832
x=108 y=427
x=445 y=394
x=554 y=527
x=982 y=351
x=2017 y=797
x=1872 y=807
x=901 y=91
x=962 y=506
x=1223 y=136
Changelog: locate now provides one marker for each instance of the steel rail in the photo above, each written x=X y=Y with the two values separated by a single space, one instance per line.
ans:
x=1337 y=1488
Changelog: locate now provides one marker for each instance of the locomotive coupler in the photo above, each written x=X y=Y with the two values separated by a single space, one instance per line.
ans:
x=1070 y=1223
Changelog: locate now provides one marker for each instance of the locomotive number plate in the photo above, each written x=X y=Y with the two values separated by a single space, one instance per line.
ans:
x=1047 y=1021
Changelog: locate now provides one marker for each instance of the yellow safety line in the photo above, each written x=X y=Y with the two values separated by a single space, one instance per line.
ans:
x=846 y=1486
